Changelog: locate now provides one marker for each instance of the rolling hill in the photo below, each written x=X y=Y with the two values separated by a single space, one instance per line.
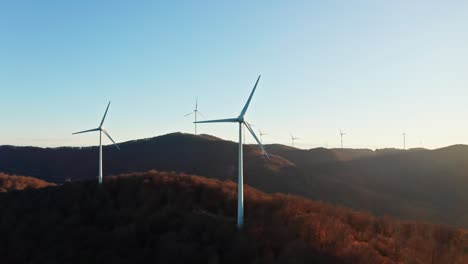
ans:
x=173 y=218
x=416 y=184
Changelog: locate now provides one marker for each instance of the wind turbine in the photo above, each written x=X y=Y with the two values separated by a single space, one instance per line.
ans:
x=261 y=135
x=101 y=130
x=293 y=138
x=404 y=141
x=341 y=135
x=195 y=113
x=240 y=184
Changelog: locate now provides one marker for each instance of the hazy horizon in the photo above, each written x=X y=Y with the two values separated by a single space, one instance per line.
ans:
x=248 y=142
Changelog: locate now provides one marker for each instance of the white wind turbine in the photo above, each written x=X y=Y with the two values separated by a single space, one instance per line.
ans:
x=293 y=138
x=195 y=113
x=260 y=132
x=240 y=185
x=341 y=135
x=261 y=135
x=404 y=140
x=101 y=130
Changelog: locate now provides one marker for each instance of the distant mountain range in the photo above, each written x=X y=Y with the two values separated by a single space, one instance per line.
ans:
x=417 y=184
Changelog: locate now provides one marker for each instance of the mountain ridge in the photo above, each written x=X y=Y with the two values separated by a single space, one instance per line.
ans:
x=413 y=184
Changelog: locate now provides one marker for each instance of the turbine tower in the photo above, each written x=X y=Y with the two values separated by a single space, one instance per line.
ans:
x=195 y=113
x=101 y=130
x=404 y=141
x=293 y=138
x=242 y=122
x=341 y=135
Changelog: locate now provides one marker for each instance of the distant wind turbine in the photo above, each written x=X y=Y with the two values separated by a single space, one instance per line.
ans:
x=242 y=122
x=404 y=140
x=341 y=135
x=293 y=138
x=101 y=130
x=261 y=135
x=195 y=113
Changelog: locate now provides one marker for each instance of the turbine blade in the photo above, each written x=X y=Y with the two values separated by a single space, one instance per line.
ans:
x=86 y=131
x=104 y=117
x=256 y=139
x=107 y=134
x=201 y=114
x=229 y=120
x=189 y=114
x=250 y=98
x=196 y=104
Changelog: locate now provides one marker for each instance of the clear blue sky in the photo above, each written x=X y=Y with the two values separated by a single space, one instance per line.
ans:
x=372 y=68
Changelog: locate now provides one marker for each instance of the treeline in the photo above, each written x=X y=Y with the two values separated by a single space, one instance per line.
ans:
x=13 y=182
x=169 y=218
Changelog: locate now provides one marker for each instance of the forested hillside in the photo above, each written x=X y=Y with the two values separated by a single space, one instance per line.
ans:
x=171 y=218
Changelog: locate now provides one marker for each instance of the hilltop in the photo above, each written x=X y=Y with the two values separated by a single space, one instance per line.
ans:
x=171 y=218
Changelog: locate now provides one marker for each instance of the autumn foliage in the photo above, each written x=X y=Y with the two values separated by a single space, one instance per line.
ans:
x=13 y=182
x=160 y=217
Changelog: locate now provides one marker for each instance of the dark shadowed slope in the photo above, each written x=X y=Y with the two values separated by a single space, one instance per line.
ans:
x=419 y=184
x=14 y=183
x=415 y=184
x=167 y=218
x=202 y=155
x=179 y=152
